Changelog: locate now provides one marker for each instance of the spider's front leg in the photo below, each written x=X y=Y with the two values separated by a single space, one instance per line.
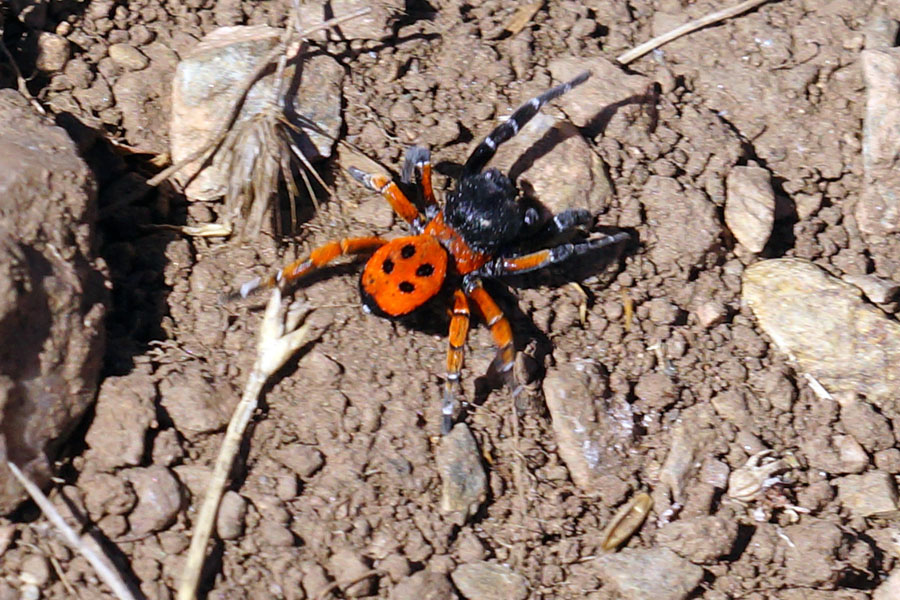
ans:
x=314 y=260
x=417 y=162
x=391 y=192
x=459 y=330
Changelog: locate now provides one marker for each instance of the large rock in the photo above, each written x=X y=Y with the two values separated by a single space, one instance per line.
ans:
x=824 y=324
x=52 y=293
x=208 y=82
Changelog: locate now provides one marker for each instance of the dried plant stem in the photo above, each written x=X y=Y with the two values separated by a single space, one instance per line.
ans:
x=20 y=81
x=665 y=38
x=216 y=140
x=279 y=338
x=100 y=564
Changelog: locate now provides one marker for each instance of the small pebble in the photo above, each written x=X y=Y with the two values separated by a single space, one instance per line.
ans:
x=489 y=581
x=750 y=206
x=424 y=585
x=656 y=573
x=159 y=499
x=348 y=568
x=464 y=483
x=128 y=57
x=35 y=571
x=709 y=314
x=53 y=52
x=868 y=494
x=230 y=518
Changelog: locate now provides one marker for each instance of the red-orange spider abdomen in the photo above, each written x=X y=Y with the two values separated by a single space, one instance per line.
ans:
x=403 y=275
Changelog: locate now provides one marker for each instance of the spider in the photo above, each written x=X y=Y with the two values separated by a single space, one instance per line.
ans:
x=474 y=236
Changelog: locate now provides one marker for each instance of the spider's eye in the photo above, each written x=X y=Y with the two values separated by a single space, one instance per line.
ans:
x=406 y=287
x=425 y=270
x=407 y=251
x=387 y=266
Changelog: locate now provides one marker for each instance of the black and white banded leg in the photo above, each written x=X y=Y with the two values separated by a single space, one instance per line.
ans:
x=506 y=130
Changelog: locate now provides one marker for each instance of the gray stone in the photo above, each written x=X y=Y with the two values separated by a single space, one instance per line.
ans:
x=489 y=581
x=889 y=589
x=868 y=494
x=53 y=293
x=823 y=324
x=878 y=208
x=230 y=518
x=750 y=206
x=158 y=499
x=876 y=289
x=195 y=404
x=658 y=573
x=464 y=482
x=349 y=569
x=53 y=52
x=424 y=585
x=585 y=426
x=206 y=86
x=128 y=57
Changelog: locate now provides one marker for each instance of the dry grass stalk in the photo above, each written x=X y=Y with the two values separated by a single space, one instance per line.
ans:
x=261 y=150
x=719 y=15
x=100 y=563
x=279 y=339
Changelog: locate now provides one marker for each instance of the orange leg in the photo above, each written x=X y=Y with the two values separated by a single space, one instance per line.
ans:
x=459 y=329
x=499 y=326
x=390 y=191
x=316 y=259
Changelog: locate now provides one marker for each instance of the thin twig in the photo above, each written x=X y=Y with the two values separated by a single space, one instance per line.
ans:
x=709 y=19
x=279 y=338
x=324 y=592
x=109 y=577
x=216 y=140
x=20 y=81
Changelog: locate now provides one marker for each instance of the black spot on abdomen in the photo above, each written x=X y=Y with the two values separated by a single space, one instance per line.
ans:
x=406 y=287
x=425 y=270
x=387 y=266
x=408 y=251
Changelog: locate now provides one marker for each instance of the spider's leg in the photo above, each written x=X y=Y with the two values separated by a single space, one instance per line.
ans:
x=510 y=127
x=390 y=191
x=306 y=265
x=567 y=220
x=499 y=326
x=459 y=329
x=417 y=162
x=543 y=258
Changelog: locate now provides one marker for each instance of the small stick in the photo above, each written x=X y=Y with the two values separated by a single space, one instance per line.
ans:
x=688 y=27
x=279 y=338
x=109 y=577
x=20 y=81
x=248 y=82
